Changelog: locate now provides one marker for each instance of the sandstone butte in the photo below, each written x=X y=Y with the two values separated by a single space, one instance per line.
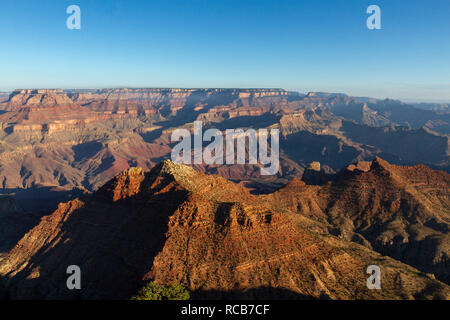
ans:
x=174 y=224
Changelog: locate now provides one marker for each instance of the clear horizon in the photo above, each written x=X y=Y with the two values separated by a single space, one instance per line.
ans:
x=406 y=100
x=304 y=46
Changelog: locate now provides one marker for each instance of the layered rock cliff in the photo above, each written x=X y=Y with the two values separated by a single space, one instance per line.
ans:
x=403 y=212
x=174 y=224
x=79 y=139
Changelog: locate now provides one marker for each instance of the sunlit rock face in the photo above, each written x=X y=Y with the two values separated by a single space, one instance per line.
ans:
x=175 y=224
x=55 y=144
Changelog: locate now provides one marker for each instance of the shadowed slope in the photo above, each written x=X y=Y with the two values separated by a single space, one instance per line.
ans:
x=174 y=224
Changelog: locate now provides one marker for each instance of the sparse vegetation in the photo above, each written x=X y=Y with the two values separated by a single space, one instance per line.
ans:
x=154 y=291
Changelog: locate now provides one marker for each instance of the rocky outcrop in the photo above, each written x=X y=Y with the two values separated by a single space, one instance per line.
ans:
x=314 y=175
x=403 y=212
x=360 y=166
x=174 y=224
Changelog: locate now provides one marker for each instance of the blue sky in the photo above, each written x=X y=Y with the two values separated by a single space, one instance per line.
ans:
x=297 y=45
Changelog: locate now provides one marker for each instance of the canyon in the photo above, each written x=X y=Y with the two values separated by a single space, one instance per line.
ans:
x=85 y=180
x=56 y=144
x=176 y=224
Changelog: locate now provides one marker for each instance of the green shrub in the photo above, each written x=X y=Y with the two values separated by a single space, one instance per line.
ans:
x=154 y=291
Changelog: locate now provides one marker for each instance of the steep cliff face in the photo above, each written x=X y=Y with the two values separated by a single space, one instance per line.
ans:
x=176 y=224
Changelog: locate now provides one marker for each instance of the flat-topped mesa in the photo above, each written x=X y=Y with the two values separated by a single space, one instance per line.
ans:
x=149 y=101
x=168 y=90
x=36 y=91
x=177 y=91
x=40 y=91
x=153 y=93
x=168 y=101
x=36 y=98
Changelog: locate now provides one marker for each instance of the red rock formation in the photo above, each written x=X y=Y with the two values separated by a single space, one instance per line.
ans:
x=80 y=139
x=211 y=235
x=403 y=212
